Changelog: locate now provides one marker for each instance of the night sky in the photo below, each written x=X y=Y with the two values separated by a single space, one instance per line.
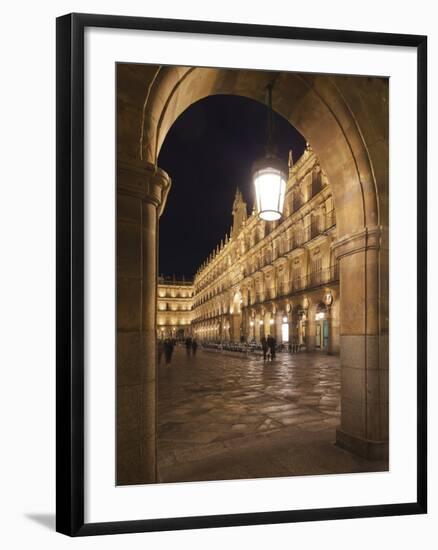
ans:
x=208 y=152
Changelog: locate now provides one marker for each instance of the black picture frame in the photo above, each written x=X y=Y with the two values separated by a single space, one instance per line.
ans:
x=70 y=273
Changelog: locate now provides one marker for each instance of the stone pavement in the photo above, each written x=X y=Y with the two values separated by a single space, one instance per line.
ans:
x=227 y=416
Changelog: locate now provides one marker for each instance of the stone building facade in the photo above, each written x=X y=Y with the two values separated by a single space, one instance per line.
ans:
x=174 y=308
x=279 y=278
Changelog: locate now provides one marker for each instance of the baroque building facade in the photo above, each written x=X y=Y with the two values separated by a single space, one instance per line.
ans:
x=174 y=308
x=279 y=278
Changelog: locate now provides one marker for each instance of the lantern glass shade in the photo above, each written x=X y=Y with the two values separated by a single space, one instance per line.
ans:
x=270 y=188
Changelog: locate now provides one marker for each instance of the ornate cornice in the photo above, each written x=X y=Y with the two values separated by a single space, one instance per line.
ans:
x=143 y=180
x=370 y=238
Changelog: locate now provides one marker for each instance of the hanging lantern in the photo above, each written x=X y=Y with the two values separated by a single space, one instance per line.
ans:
x=269 y=176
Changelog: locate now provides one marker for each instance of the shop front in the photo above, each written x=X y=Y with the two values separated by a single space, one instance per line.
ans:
x=322 y=327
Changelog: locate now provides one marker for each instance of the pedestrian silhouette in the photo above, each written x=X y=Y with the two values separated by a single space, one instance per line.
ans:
x=160 y=350
x=264 y=343
x=188 y=345
x=168 y=350
x=271 y=345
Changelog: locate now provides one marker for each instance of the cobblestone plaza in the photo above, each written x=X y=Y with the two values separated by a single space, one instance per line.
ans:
x=314 y=279
x=228 y=416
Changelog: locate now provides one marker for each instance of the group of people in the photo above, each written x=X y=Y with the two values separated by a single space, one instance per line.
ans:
x=191 y=346
x=294 y=346
x=268 y=347
x=269 y=343
x=165 y=347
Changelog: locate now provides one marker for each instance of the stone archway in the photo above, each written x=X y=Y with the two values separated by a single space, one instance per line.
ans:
x=345 y=119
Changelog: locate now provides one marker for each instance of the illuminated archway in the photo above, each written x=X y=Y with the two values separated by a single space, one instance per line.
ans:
x=345 y=119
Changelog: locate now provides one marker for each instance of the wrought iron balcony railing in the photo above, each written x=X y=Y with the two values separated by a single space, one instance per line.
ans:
x=311 y=280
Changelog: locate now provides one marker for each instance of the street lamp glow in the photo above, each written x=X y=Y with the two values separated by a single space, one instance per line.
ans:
x=270 y=187
x=269 y=176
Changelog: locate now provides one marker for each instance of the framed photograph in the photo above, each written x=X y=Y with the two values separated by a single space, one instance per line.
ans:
x=241 y=274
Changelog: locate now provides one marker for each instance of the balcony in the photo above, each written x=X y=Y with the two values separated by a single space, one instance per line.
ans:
x=316 y=185
x=297 y=240
x=297 y=203
x=298 y=284
x=270 y=293
x=330 y=219
x=315 y=228
x=284 y=288
x=315 y=279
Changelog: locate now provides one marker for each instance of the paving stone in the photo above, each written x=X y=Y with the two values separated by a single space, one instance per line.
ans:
x=298 y=419
x=232 y=417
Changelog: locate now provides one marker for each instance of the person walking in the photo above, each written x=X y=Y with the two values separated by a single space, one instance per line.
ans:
x=194 y=347
x=271 y=345
x=296 y=345
x=188 y=345
x=160 y=350
x=168 y=350
x=264 y=344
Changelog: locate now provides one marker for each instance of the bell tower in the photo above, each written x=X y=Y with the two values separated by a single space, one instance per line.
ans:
x=239 y=213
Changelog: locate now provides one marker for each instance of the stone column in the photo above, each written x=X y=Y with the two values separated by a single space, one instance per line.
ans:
x=245 y=324
x=278 y=326
x=311 y=328
x=364 y=343
x=334 y=314
x=258 y=328
x=235 y=327
x=141 y=193
x=330 y=347
x=293 y=332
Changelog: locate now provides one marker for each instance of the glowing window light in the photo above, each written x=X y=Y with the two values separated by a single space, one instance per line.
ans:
x=285 y=332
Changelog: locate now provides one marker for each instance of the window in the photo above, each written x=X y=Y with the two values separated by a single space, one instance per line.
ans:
x=316 y=182
x=315 y=273
x=296 y=277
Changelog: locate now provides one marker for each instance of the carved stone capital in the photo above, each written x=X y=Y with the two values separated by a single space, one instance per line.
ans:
x=143 y=180
x=370 y=238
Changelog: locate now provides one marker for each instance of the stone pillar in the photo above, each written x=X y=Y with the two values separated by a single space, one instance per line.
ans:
x=330 y=347
x=311 y=328
x=235 y=320
x=141 y=193
x=364 y=343
x=278 y=326
x=293 y=331
x=266 y=325
x=258 y=328
x=245 y=325
x=334 y=314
